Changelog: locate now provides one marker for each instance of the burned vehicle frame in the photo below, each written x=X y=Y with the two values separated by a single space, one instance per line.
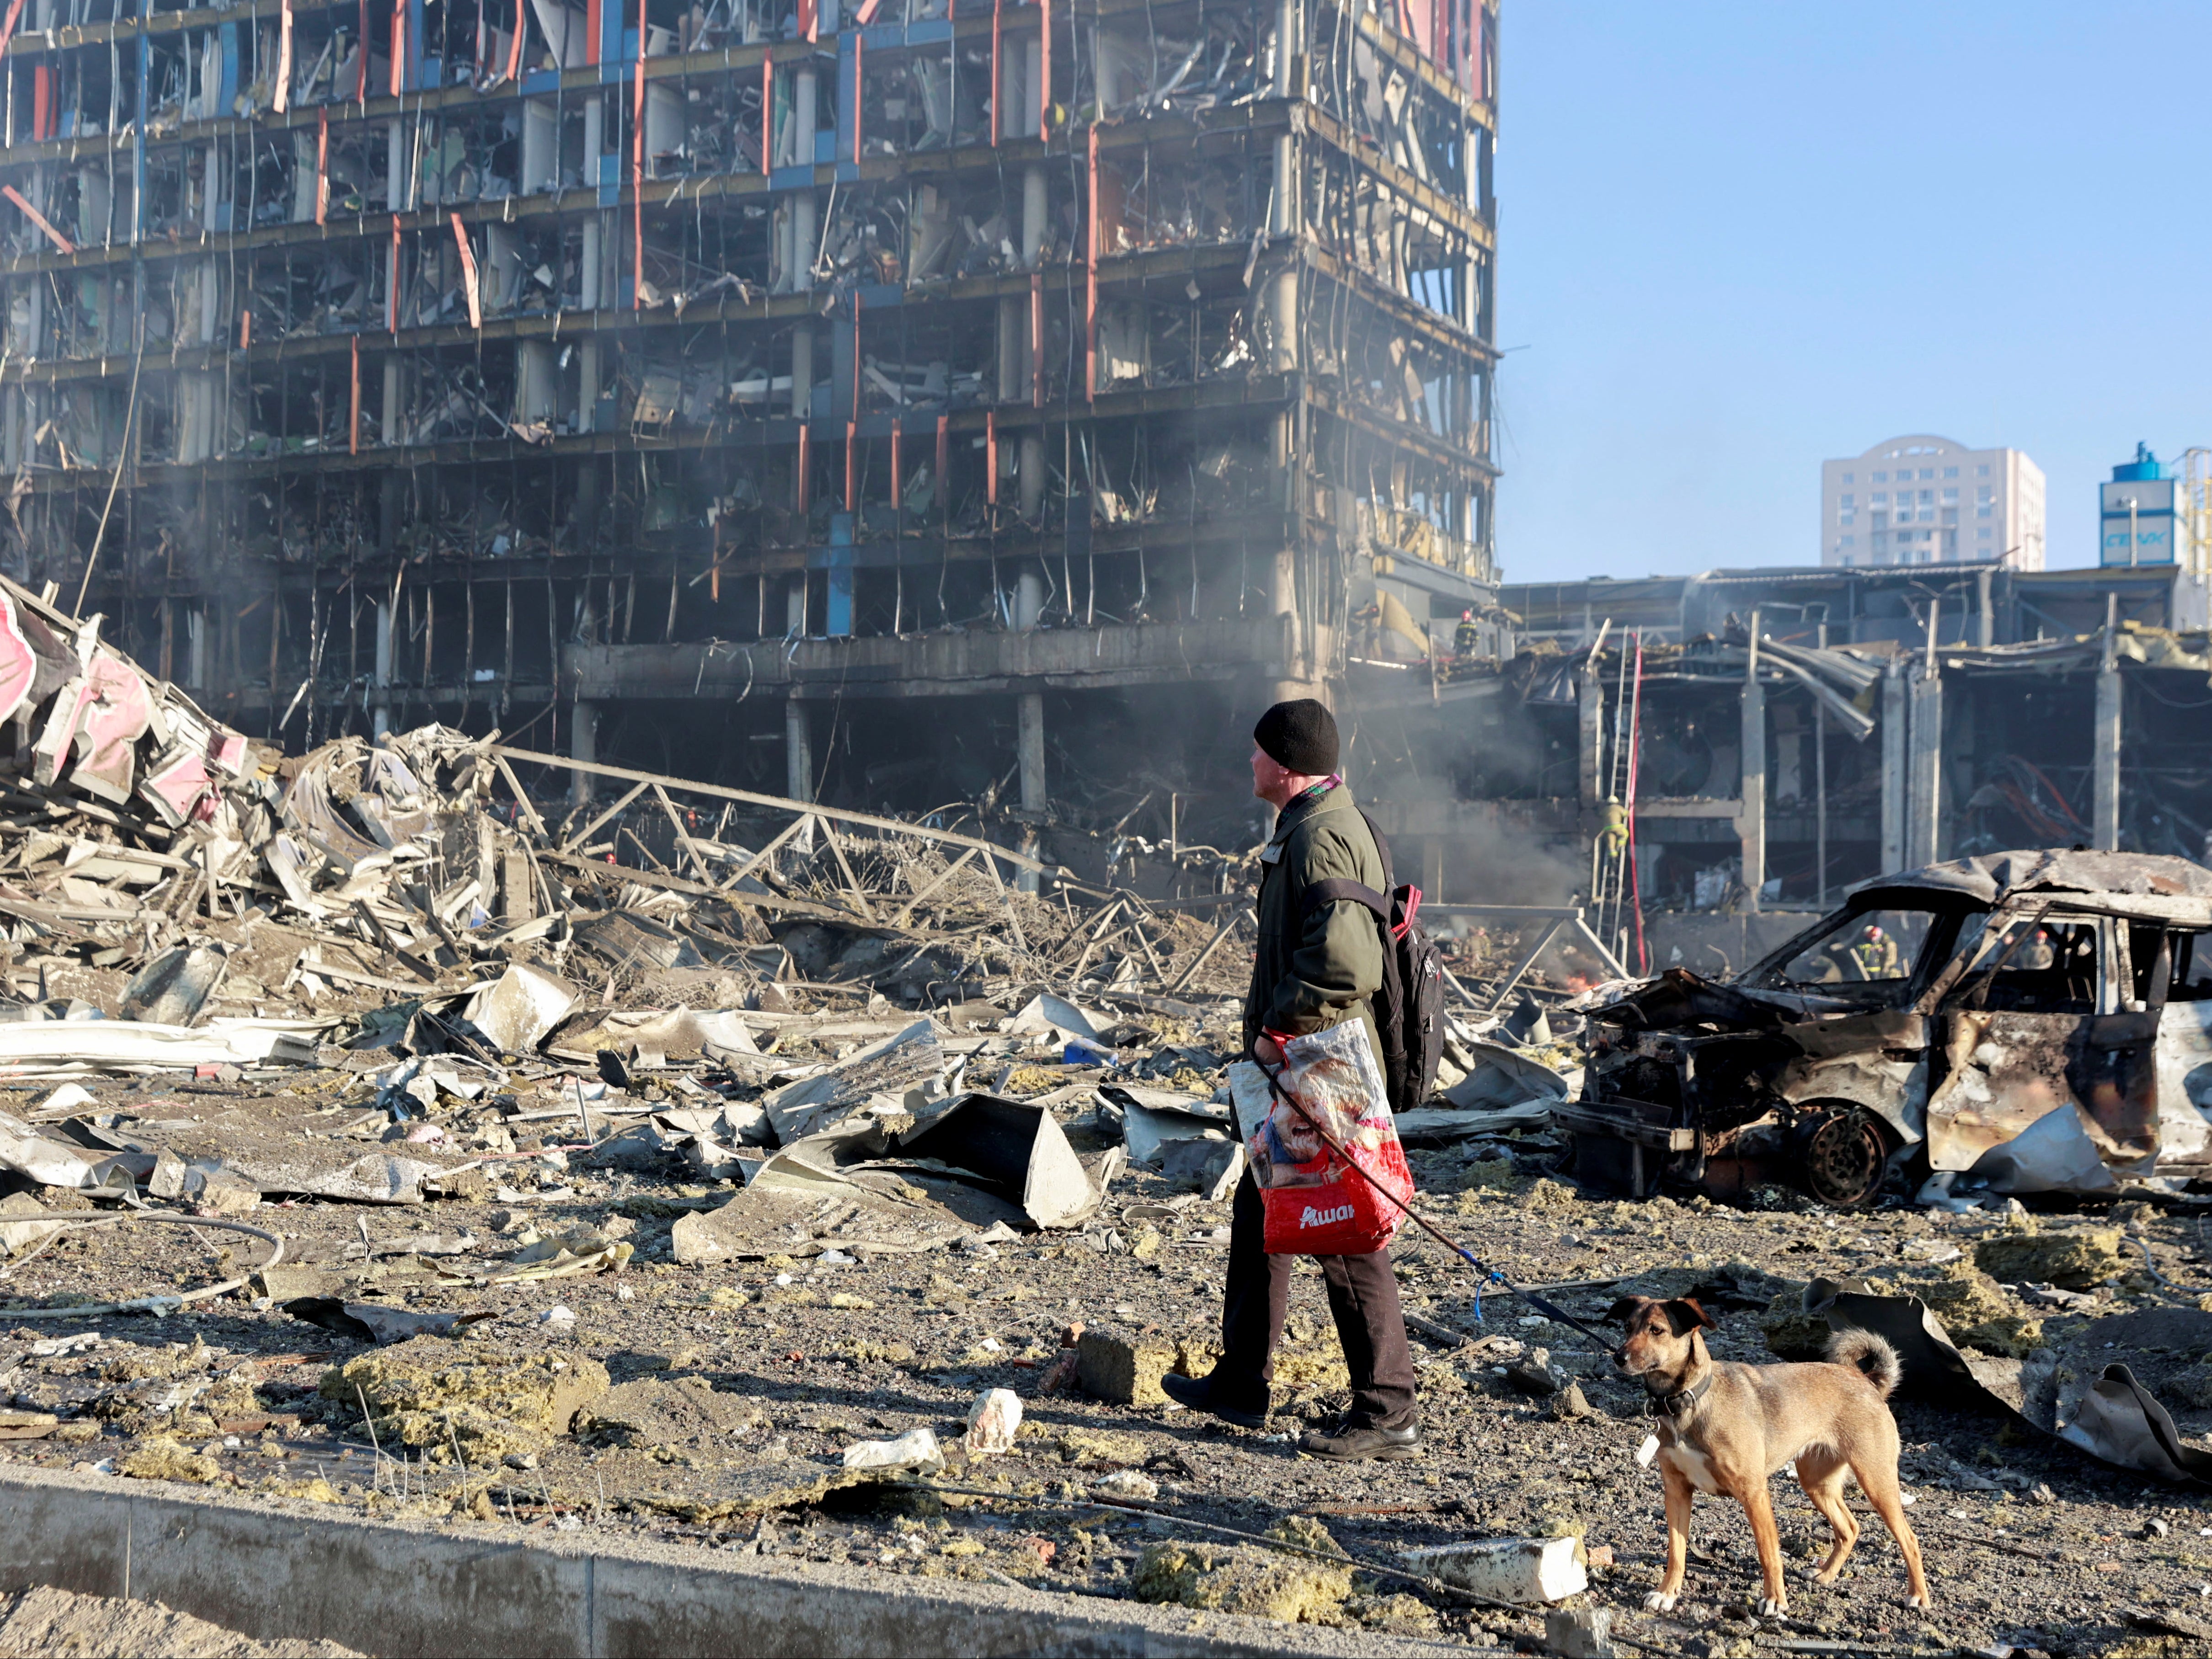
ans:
x=2021 y=1022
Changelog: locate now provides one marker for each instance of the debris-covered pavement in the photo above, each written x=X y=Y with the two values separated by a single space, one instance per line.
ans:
x=778 y=1179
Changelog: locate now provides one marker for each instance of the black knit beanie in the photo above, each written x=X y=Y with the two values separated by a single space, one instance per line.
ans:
x=1300 y=736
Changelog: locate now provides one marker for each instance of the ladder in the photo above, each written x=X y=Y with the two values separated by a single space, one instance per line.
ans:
x=1610 y=864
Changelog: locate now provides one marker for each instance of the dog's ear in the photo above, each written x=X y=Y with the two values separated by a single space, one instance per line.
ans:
x=1685 y=1316
x=1623 y=1311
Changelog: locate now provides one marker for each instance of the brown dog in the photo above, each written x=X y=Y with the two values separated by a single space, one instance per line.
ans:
x=1726 y=1428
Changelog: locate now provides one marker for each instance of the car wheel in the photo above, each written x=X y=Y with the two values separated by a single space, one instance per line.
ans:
x=1845 y=1159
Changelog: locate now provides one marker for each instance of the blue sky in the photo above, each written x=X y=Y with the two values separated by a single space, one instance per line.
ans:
x=1736 y=240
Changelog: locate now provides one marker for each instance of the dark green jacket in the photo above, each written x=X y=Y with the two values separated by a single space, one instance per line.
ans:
x=1316 y=968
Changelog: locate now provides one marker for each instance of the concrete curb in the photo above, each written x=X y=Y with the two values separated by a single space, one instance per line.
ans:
x=272 y=1567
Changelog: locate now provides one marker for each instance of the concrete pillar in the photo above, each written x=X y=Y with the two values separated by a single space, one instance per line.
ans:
x=804 y=98
x=587 y=385
x=1925 y=770
x=395 y=166
x=1284 y=603
x=1029 y=603
x=802 y=374
x=588 y=259
x=1590 y=749
x=379 y=678
x=1032 y=478
x=1013 y=349
x=1283 y=320
x=804 y=237
x=798 y=751
x=1282 y=584
x=592 y=255
x=1034 y=796
x=1008 y=106
x=1896 y=732
x=1925 y=782
x=1985 y=624
x=2105 y=740
x=794 y=607
x=536 y=390
x=1286 y=44
x=583 y=745
x=584 y=515
x=212 y=190
x=195 y=646
x=541 y=153
x=1751 y=810
x=1432 y=869
x=1032 y=82
x=196 y=403
x=303 y=176
x=393 y=415
x=1035 y=207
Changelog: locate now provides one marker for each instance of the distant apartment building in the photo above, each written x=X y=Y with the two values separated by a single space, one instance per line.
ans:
x=1925 y=500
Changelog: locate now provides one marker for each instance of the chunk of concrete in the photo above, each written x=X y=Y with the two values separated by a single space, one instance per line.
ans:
x=424 y=1393
x=1580 y=1633
x=1241 y=1580
x=1524 y=1570
x=1125 y=1370
x=24 y=1222
x=917 y=1448
x=2075 y=1260
x=173 y=987
x=992 y=1422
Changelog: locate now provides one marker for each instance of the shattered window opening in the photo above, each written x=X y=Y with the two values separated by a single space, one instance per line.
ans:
x=2037 y=965
x=1885 y=947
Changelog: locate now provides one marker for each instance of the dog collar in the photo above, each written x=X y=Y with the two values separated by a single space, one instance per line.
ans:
x=1674 y=1405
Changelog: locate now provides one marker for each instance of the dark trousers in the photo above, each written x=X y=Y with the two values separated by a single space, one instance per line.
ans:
x=1363 y=1298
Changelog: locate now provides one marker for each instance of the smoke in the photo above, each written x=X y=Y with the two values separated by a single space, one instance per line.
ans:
x=1479 y=783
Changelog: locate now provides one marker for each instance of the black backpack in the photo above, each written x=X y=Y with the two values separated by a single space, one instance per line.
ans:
x=1409 y=1009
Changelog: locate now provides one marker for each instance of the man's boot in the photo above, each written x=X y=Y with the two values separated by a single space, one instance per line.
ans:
x=1350 y=1440
x=1200 y=1394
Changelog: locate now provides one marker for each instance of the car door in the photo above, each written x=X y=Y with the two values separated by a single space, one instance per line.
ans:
x=2043 y=1034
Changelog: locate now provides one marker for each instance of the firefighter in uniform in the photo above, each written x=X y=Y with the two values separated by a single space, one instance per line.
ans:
x=1875 y=955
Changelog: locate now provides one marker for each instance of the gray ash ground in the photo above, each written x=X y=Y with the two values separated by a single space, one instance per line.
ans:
x=2027 y=1543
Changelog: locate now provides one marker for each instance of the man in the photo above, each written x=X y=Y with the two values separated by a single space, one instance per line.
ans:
x=1314 y=969
x=1875 y=955
x=1613 y=833
x=1466 y=638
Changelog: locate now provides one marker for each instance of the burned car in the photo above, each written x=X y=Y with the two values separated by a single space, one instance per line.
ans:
x=2019 y=1022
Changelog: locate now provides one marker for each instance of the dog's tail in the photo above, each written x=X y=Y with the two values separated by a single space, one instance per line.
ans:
x=1870 y=1356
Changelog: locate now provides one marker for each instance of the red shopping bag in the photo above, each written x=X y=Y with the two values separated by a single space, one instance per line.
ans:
x=1314 y=1202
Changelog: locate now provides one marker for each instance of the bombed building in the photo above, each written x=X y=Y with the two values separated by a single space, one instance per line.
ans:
x=1710 y=761
x=898 y=403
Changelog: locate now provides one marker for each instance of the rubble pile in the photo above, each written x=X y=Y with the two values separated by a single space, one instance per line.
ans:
x=750 y=1170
